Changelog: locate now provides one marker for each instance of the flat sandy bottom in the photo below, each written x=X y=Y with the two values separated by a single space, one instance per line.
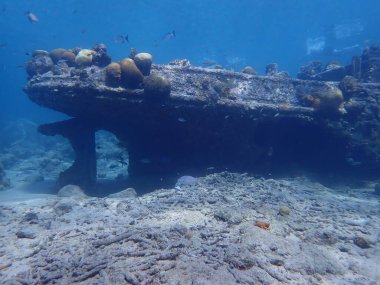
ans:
x=199 y=234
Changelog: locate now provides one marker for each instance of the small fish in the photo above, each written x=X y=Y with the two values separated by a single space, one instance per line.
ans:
x=182 y=120
x=349 y=48
x=31 y=17
x=168 y=36
x=3 y=45
x=165 y=37
x=122 y=162
x=120 y=39
x=208 y=63
x=352 y=162
x=145 y=160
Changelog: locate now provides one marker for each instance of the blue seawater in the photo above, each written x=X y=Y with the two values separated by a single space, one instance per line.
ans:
x=231 y=33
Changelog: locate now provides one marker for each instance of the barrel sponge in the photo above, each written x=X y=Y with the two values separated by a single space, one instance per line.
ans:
x=56 y=54
x=84 y=57
x=113 y=74
x=143 y=61
x=156 y=87
x=131 y=76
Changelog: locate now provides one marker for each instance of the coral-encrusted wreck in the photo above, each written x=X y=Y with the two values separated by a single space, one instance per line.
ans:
x=186 y=119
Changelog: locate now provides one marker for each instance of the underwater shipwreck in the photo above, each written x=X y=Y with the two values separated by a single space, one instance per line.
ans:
x=186 y=120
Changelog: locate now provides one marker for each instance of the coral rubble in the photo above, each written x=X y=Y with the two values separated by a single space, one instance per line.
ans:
x=203 y=233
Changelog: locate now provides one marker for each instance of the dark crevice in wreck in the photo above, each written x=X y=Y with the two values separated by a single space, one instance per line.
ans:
x=266 y=147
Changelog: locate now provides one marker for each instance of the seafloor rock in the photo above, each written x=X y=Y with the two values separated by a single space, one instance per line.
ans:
x=64 y=206
x=25 y=234
x=361 y=242
x=127 y=193
x=228 y=215
x=186 y=180
x=31 y=218
x=71 y=191
x=213 y=119
x=284 y=211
